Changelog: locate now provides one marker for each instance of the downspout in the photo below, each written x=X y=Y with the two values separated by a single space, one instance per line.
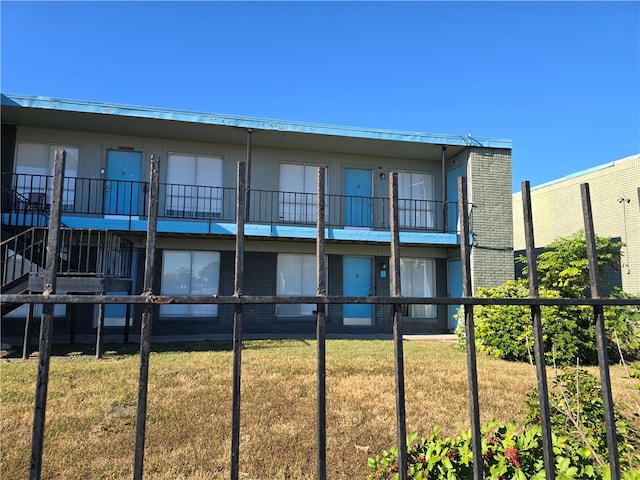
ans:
x=444 y=189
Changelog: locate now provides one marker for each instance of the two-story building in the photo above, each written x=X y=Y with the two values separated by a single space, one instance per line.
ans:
x=108 y=148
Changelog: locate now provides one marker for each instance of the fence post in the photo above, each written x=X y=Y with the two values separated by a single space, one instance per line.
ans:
x=237 y=322
x=401 y=425
x=46 y=323
x=145 y=326
x=321 y=330
x=538 y=344
x=601 y=334
x=472 y=370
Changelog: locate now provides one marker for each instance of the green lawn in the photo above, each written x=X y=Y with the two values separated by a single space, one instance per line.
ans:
x=90 y=432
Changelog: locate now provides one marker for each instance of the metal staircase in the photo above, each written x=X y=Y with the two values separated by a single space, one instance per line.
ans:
x=83 y=253
x=22 y=254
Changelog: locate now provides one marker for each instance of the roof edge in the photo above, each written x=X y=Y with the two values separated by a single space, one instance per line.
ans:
x=586 y=171
x=80 y=106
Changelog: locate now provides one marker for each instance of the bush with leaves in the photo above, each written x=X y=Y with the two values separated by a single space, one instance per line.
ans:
x=506 y=454
x=564 y=265
x=578 y=437
x=505 y=331
x=577 y=411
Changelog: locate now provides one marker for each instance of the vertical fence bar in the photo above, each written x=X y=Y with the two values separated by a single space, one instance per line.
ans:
x=538 y=344
x=472 y=371
x=321 y=330
x=127 y=313
x=46 y=323
x=100 y=331
x=237 y=323
x=145 y=326
x=28 y=329
x=401 y=425
x=601 y=334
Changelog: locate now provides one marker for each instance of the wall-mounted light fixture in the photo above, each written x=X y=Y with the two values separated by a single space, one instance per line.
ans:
x=383 y=270
x=624 y=200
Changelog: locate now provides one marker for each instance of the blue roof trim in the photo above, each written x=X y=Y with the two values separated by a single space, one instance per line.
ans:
x=246 y=122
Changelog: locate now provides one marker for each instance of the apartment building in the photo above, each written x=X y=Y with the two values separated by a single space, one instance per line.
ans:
x=104 y=212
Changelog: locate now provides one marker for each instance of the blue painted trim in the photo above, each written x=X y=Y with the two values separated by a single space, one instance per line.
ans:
x=259 y=230
x=12 y=100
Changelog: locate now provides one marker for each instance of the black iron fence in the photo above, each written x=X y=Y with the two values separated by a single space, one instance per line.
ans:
x=32 y=196
x=148 y=299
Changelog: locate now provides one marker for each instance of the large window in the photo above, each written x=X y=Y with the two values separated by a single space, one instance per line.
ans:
x=190 y=273
x=416 y=207
x=34 y=169
x=417 y=279
x=194 y=186
x=296 y=275
x=298 y=186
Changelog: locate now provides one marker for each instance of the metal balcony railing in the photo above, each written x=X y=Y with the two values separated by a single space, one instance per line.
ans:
x=82 y=252
x=90 y=196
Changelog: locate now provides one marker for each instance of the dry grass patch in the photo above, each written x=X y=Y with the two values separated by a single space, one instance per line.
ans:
x=91 y=411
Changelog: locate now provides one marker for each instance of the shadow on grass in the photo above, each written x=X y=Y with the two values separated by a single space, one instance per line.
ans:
x=119 y=350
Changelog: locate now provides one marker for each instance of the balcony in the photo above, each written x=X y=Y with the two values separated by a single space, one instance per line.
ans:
x=111 y=200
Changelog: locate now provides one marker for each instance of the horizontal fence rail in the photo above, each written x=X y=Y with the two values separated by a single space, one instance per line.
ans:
x=322 y=300
x=357 y=211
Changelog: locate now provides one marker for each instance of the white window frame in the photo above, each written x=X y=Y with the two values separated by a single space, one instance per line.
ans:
x=30 y=164
x=414 y=274
x=416 y=204
x=201 y=197
x=296 y=276
x=298 y=202
x=186 y=259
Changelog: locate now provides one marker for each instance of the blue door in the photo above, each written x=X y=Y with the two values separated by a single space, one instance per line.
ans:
x=454 y=283
x=357 y=191
x=357 y=283
x=122 y=186
x=452 y=197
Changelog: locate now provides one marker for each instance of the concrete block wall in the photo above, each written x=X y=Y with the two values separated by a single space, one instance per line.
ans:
x=557 y=212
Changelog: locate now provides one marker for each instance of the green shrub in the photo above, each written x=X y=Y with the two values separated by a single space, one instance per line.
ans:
x=506 y=454
x=578 y=437
x=577 y=411
x=505 y=331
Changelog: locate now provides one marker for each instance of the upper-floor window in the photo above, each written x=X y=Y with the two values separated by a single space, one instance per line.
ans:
x=417 y=279
x=34 y=173
x=194 y=186
x=416 y=206
x=298 y=193
x=186 y=272
x=296 y=275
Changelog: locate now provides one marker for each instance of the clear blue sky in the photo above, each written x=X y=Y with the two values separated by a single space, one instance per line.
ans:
x=561 y=80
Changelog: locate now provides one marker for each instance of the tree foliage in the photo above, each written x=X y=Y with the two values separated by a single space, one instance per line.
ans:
x=564 y=265
x=505 y=331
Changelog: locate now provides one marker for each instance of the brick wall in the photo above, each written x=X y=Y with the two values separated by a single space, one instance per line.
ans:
x=489 y=191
